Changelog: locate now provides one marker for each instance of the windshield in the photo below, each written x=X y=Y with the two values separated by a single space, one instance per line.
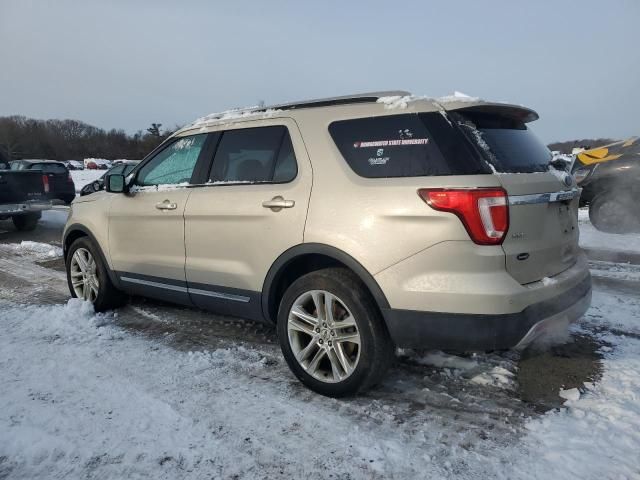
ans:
x=508 y=144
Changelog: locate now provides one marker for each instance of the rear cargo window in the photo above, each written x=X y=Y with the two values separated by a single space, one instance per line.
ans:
x=508 y=144
x=407 y=145
x=49 y=167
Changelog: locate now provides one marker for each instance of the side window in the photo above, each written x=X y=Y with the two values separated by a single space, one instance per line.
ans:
x=254 y=155
x=174 y=164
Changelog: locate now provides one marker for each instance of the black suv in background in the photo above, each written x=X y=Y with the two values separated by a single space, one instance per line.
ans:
x=610 y=180
x=58 y=184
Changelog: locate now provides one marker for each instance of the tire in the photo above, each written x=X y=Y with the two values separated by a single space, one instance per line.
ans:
x=613 y=214
x=108 y=296
x=26 y=222
x=366 y=362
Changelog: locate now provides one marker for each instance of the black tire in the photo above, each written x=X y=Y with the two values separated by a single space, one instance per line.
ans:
x=376 y=348
x=26 y=222
x=109 y=297
x=613 y=214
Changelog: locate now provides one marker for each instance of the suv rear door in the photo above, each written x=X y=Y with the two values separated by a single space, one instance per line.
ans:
x=542 y=239
x=252 y=209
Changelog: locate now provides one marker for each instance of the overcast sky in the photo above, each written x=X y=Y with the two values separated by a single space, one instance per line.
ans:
x=125 y=64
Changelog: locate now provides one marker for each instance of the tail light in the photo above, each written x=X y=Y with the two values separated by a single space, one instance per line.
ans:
x=69 y=178
x=483 y=211
x=45 y=183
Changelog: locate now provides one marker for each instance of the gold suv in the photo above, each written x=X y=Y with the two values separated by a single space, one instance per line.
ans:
x=355 y=224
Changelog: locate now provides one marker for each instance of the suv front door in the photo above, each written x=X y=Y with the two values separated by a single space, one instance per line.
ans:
x=253 y=209
x=146 y=226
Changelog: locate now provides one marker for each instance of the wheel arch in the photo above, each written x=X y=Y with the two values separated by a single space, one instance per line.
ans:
x=305 y=258
x=76 y=231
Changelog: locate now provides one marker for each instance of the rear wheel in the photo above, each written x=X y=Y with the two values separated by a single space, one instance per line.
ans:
x=88 y=278
x=26 y=222
x=332 y=336
x=613 y=214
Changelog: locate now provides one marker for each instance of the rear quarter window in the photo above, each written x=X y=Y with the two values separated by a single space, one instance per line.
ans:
x=407 y=145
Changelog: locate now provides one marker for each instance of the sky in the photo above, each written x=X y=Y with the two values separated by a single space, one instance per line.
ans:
x=126 y=64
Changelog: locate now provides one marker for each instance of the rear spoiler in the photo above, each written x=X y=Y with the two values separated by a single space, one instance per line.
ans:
x=515 y=112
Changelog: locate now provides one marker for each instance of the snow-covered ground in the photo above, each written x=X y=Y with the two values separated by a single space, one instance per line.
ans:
x=590 y=237
x=155 y=391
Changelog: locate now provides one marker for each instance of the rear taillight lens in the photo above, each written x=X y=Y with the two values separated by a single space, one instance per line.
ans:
x=45 y=183
x=69 y=178
x=483 y=211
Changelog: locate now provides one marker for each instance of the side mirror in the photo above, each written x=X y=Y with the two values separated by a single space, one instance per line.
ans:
x=114 y=183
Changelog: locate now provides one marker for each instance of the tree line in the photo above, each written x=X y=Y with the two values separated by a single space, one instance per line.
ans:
x=22 y=137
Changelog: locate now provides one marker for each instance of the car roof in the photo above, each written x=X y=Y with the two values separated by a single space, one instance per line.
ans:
x=360 y=105
x=35 y=160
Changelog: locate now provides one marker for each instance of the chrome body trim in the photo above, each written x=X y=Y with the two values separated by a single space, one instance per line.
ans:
x=195 y=291
x=562 y=196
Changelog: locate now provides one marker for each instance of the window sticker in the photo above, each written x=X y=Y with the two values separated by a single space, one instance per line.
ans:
x=392 y=143
x=378 y=159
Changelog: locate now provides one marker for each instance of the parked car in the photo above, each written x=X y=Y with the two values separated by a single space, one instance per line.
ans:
x=355 y=224
x=122 y=167
x=22 y=196
x=610 y=181
x=74 y=164
x=58 y=184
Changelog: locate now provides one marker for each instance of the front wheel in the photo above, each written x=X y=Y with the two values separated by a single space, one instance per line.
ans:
x=88 y=278
x=332 y=335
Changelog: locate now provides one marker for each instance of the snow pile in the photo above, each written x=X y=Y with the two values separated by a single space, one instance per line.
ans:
x=457 y=97
x=497 y=377
x=233 y=114
x=402 y=101
x=35 y=249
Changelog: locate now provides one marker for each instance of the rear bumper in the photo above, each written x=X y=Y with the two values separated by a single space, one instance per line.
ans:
x=24 y=207
x=472 y=332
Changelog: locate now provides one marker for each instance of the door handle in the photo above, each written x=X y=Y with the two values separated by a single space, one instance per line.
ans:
x=166 y=205
x=278 y=203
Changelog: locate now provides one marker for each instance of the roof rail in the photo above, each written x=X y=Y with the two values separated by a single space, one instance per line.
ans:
x=320 y=102
x=342 y=100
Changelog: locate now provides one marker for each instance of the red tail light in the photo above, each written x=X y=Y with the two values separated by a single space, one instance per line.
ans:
x=45 y=182
x=69 y=178
x=484 y=211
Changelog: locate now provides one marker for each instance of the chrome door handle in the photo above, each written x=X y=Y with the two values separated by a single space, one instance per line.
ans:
x=166 y=205
x=278 y=203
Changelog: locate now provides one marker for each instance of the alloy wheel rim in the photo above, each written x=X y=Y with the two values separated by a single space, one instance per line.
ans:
x=324 y=336
x=84 y=277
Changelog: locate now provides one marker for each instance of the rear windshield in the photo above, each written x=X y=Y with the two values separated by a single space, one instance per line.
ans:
x=407 y=145
x=508 y=144
x=49 y=167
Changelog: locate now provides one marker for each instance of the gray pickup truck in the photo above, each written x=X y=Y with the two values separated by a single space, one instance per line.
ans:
x=22 y=196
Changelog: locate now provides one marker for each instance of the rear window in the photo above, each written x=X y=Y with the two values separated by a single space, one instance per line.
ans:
x=508 y=144
x=407 y=145
x=49 y=167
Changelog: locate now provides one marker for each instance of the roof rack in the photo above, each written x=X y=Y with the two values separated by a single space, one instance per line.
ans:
x=315 y=103
x=343 y=100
